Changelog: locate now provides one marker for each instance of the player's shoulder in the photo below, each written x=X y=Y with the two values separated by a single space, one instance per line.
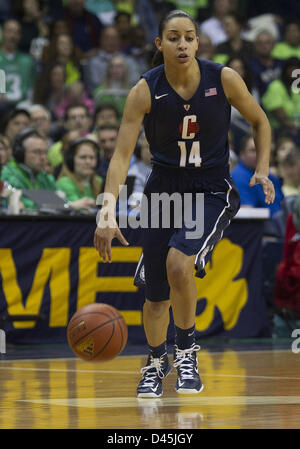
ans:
x=153 y=73
x=211 y=66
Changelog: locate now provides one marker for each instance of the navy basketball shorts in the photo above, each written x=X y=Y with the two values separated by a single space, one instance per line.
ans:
x=209 y=201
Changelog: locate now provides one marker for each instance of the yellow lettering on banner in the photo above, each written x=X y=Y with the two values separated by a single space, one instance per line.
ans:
x=54 y=264
x=132 y=317
x=221 y=288
x=90 y=283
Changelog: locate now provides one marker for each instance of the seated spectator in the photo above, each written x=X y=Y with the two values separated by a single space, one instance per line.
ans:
x=213 y=27
x=85 y=27
x=78 y=179
x=234 y=46
x=41 y=121
x=279 y=151
x=238 y=125
x=74 y=95
x=4 y=151
x=290 y=47
x=115 y=86
x=107 y=138
x=30 y=15
x=139 y=49
x=243 y=172
x=26 y=169
x=69 y=137
x=280 y=101
x=122 y=22
x=13 y=123
x=291 y=172
x=206 y=49
x=264 y=67
x=142 y=166
x=95 y=67
x=50 y=86
x=106 y=113
x=61 y=49
x=77 y=119
x=19 y=67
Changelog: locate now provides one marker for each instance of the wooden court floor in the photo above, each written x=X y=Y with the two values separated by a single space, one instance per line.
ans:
x=242 y=390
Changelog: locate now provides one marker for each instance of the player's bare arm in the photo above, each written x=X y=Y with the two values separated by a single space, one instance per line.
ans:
x=238 y=96
x=138 y=104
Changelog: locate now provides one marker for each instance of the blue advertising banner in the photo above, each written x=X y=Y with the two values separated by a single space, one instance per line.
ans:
x=50 y=266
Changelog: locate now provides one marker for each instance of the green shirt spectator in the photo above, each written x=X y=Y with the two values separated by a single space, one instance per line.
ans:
x=78 y=178
x=22 y=177
x=277 y=97
x=283 y=50
x=290 y=47
x=18 y=67
x=72 y=190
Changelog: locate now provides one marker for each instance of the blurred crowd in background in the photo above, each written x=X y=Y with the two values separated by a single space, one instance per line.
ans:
x=69 y=66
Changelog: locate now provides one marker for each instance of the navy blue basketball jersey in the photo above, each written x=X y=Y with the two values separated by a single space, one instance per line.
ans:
x=188 y=133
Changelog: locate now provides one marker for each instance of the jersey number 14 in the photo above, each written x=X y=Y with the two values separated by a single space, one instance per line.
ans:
x=188 y=133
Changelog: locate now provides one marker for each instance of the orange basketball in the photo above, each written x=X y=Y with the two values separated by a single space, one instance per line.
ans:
x=97 y=332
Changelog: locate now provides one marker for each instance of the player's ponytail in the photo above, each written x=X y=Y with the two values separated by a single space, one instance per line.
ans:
x=157 y=59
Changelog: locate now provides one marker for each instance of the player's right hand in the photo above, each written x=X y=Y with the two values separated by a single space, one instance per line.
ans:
x=105 y=232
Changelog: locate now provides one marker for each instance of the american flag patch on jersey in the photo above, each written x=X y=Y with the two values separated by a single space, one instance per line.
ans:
x=210 y=92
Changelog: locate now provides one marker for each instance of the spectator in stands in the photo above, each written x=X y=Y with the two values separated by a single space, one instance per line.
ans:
x=106 y=113
x=107 y=138
x=281 y=102
x=41 y=120
x=78 y=179
x=61 y=49
x=253 y=196
x=13 y=123
x=264 y=67
x=142 y=166
x=206 y=49
x=19 y=67
x=50 y=86
x=95 y=68
x=4 y=151
x=77 y=119
x=139 y=49
x=291 y=172
x=235 y=46
x=26 y=169
x=33 y=26
x=115 y=86
x=122 y=22
x=290 y=47
x=84 y=26
x=213 y=27
x=74 y=95
x=239 y=126
x=279 y=151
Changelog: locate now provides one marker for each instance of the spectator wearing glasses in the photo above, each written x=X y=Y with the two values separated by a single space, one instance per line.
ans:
x=26 y=170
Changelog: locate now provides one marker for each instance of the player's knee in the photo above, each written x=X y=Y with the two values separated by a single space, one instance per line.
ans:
x=156 y=309
x=178 y=273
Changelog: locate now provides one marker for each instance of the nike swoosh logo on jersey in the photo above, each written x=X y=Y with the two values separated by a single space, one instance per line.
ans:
x=157 y=97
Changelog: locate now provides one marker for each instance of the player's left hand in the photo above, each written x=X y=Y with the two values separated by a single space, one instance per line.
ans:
x=266 y=184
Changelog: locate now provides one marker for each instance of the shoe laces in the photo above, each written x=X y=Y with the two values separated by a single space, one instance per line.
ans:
x=151 y=376
x=185 y=361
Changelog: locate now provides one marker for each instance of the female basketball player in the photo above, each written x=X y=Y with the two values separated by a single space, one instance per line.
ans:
x=185 y=104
